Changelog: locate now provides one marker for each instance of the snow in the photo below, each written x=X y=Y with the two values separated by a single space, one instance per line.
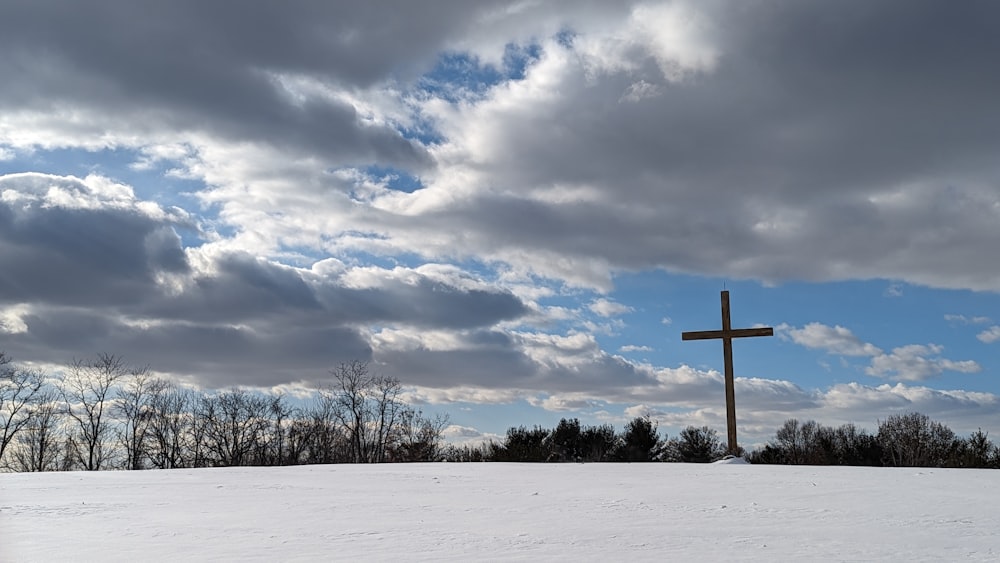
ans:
x=551 y=512
x=731 y=460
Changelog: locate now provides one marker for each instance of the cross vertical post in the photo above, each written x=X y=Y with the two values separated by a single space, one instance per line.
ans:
x=727 y=357
x=726 y=335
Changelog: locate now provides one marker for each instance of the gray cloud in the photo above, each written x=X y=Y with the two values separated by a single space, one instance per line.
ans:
x=215 y=355
x=767 y=140
x=81 y=255
x=89 y=268
x=785 y=141
x=527 y=363
x=426 y=303
x=828 y=142
x=213 y=68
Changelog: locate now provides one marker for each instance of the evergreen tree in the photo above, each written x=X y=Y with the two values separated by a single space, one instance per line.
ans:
x=565 y=442
x=699 y=445
x=640 y=441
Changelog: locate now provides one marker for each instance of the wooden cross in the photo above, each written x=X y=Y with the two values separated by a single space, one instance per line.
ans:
x=727 y=334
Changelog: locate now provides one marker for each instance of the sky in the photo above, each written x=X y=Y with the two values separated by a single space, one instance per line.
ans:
x=514 y=207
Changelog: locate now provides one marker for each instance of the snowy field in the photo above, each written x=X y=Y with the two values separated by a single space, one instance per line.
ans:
x=492 y=511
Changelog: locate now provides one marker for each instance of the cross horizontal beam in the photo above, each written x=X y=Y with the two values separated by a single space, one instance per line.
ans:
x=734 y=333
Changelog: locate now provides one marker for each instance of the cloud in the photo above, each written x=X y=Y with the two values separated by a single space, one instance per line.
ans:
x=894 y=290
x=607 y=308
x=834 y=340
x=71 y=241
x=467 y=436
x=854 y=403
x=586 y=139
x=640 y=90
x=93 y=268
x=916 y=363
x=12 y=321
x=964 y=320
x=989 y=335
x=543 y=170
x=633 y=348
x=563 y=403
x=523 y=363
x=281 y=76
x=773 y=228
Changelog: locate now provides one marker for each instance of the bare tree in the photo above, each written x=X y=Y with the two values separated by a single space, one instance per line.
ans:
x=297 y=441
x=976 y=451
x=800 y=442
x=351 y=410
x=37 y=446
x=368 y=407
x=387 y=408
x=235 y=424
x=914 y=440
x=133 y=406
x=86 y=390
x=171 y=425
x=418 y=438
x=319 y=438
x=281 y=412
x=19 y=391
x=69 y=455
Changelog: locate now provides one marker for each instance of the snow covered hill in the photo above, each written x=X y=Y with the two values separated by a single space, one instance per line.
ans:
x=544 y=512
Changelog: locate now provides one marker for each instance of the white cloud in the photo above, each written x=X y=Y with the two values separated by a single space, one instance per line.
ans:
x=990 y=335
x=917 y=362
x=673 y=35
x=832 y=339
x=562 y=403
x=964 y=320
x=894 y=290
x=640 y=90
x=633 y=348
x=677 y=36
x=608 y=308
x=914 y=362
x=12 y=319
x=467 y=436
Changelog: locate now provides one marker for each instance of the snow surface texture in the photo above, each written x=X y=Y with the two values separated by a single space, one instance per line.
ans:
x=493 y=511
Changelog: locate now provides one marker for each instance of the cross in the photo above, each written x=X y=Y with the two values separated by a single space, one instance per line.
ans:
x=727 y=334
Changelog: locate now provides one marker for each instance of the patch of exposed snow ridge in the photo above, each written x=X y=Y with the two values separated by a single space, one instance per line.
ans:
x=731 y=460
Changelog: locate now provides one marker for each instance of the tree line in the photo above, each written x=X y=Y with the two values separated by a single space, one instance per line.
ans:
x=639 y=441
x=902 y=440
x=106 y=414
